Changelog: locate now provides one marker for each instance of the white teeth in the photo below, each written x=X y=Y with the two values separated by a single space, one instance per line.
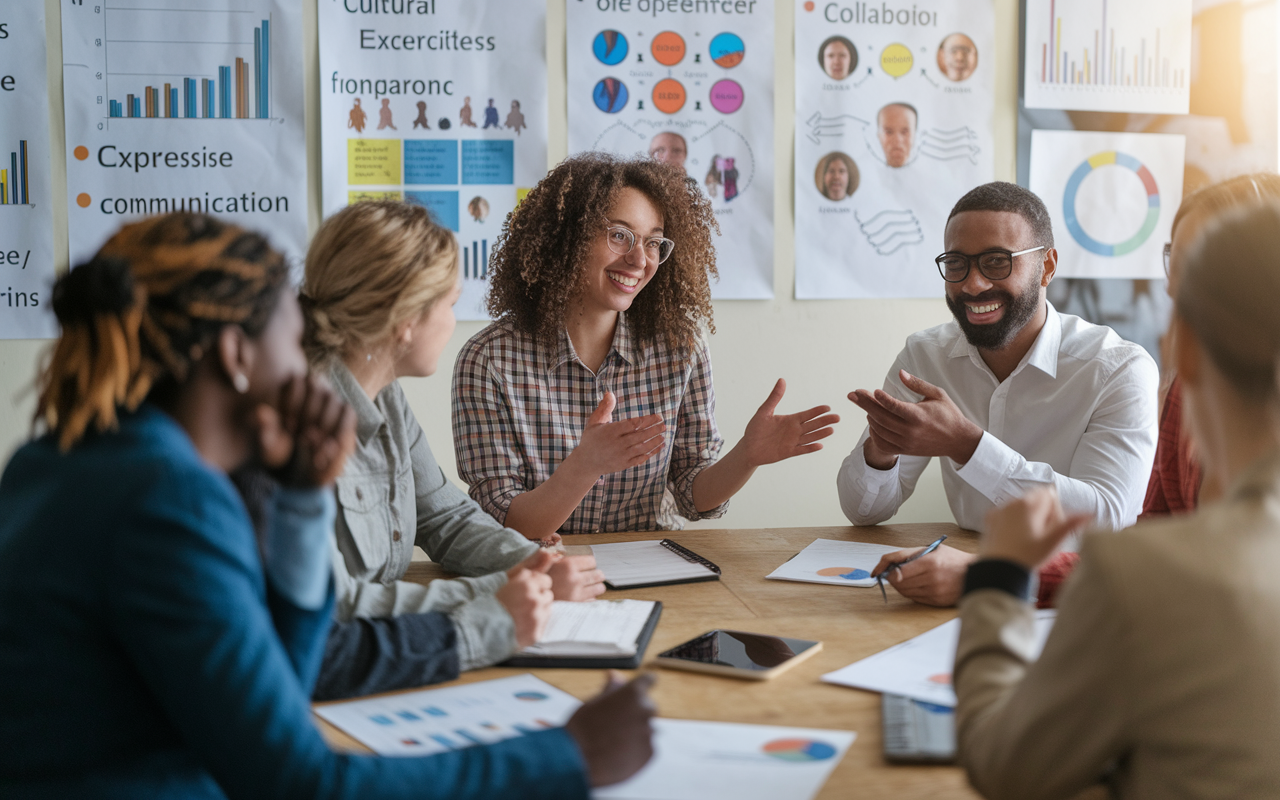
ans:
x=624 y=280
x=984 y=309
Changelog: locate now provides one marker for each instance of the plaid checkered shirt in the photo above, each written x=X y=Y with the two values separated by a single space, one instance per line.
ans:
x=519 y=409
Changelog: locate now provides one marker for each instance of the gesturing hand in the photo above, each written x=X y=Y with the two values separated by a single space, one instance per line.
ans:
x=607 y=446
x=527 y=596
x=575 y=578
x=306 y=440
x=935 y=426
x=614 y=729
x=1026 y=531
x=772 y=437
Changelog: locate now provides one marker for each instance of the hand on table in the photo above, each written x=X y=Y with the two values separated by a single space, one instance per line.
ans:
x=607 y=446
x=1028 y=530
x=527 y=596
x=935 y=426
x=576 y=578
x=614 y=729
x=304 y=441
x=934 y=580
x=771 y=437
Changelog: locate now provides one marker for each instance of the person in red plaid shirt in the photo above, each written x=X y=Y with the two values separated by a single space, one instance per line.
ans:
x=588 y=405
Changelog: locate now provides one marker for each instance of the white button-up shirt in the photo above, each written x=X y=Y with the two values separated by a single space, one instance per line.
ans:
x=1079 y=413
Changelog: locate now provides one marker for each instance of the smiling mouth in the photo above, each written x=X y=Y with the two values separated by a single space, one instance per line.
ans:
x=625 y=280
x=983 y=309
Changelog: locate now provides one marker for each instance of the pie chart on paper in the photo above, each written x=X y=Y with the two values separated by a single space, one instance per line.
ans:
x=799 y=750
x=727 y=50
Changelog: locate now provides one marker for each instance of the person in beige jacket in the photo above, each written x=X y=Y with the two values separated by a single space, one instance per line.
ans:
x=1161 y=677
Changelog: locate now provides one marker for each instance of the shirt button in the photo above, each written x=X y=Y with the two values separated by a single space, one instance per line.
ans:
x=359 y=494
x=395 y=536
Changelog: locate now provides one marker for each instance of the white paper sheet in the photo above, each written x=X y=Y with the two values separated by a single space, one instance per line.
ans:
x=835 y=562
x=445 y=106
x=241 y=156
x=597 y=628
x=1127 y=56
x=888 y=137
x=439 y=720
x=726 y=761
x=26 y=199
x=690 y=82
x=921 y=667
x=633 y=563
x=1112 y=197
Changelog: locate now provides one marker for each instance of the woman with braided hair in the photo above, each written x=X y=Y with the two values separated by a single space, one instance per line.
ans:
x=165 y=651
x=588 y=404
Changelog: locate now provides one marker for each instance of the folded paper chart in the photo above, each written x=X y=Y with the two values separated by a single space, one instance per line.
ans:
x=834 y=562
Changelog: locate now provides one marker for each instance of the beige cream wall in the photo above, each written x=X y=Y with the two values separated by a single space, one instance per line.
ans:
x=823 y=348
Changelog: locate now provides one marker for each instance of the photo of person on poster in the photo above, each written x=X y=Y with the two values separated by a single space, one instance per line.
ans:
x=957 y=57
x=896 y=129
x=837 y=176
x=838 y=57
x=669 y=147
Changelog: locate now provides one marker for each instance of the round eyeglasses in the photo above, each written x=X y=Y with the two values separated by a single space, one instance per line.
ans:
x=994 y=264
x=621 y=241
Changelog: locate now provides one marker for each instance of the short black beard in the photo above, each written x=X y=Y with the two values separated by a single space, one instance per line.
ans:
x=1018 y=311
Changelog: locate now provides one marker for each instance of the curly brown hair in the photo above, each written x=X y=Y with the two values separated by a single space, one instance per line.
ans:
x=538 y=263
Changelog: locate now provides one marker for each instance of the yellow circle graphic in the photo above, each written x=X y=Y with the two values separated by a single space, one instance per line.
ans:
x=896 y=60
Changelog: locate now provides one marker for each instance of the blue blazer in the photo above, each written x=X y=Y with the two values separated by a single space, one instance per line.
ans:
x=143 y=654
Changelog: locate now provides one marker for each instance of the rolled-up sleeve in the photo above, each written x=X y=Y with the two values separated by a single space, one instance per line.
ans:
x=697 y=441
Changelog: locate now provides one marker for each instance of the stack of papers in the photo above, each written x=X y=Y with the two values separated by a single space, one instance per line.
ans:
x=598 y=628
x=921 y=667
x=629 y=564
x=834 y=562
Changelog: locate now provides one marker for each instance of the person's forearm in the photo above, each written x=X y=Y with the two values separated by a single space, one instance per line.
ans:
x=541 y=511
x=877 y=458
x=717 y=483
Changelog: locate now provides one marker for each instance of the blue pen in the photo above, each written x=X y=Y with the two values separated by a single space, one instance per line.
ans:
x=880 y=575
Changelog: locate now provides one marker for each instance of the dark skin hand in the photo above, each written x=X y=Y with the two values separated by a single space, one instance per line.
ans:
x=305 y=443
x=614 y=729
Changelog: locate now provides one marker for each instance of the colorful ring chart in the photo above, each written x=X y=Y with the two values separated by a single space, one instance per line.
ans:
x=610 y=47
x=610 y=95
x=726 y=96
x=799 y=750
x=1108 y=158
x=727 y=50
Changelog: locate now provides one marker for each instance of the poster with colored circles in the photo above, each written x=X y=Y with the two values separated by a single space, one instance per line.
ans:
x=694 y=89
x=894 y=123
x=1112 y=197
x=726 y=761
x=445 y=106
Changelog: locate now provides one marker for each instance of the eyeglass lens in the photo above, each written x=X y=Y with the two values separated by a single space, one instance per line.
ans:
x=622 y=240
x=995 y=265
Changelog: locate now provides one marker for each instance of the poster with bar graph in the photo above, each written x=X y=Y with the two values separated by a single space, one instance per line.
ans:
x=184 y=105
x=443 y=104
x=1109 y=55
x=26 y=207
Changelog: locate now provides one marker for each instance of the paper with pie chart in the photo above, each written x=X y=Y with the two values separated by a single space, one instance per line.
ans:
x=1112 y=197
x=694 y=89
x=894 y=123
x=834 y=562
x=726 y=761
x=921 y=667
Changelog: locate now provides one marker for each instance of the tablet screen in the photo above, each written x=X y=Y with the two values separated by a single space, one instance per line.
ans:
x=748 y=651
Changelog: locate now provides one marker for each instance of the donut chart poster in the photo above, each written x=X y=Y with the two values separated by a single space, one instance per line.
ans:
x=693 y=87
x=437 y=102
x=1112 y=197
x=894 y=123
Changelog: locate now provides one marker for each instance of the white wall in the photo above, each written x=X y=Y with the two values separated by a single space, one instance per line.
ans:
x=823 y=348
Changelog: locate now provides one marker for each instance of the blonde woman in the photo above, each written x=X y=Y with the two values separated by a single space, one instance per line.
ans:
x=381 y=281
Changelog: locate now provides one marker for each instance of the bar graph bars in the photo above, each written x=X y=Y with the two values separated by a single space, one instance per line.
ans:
x=14 y=187
x=475 y=260
x=1108 y=55
x=241 y=90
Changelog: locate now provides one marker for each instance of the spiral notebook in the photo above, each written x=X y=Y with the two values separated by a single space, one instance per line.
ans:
x=632 y=565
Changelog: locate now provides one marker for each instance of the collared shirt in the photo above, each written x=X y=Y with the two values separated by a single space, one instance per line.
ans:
x=519 y=409
x=1078 y=413
x=392 y=495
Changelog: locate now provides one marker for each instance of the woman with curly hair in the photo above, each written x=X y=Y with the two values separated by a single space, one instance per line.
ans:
x=588 y=404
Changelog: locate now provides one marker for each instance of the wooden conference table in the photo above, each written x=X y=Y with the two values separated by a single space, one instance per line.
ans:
x=852 y=623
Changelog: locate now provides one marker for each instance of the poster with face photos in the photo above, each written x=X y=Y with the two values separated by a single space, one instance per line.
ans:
x=690 y=83
x=894 y=108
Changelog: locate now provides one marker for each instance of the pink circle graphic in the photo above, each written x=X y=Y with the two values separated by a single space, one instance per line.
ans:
x=726 y=96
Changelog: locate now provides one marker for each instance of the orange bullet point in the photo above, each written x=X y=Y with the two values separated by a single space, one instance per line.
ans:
x=83 y=200
x=81 y=152
x=808 y=6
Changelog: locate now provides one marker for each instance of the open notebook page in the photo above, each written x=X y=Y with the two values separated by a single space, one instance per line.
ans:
x=596 y=628
x=633 y=563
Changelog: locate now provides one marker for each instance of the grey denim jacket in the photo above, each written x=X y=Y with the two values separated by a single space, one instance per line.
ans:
x=393 y=495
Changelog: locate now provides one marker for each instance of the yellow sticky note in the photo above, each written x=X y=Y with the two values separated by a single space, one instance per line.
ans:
x=373 y=162
x=359 y=195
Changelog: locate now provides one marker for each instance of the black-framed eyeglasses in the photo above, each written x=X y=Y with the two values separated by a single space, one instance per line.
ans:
x=1168 y=251
x=995 y=264
x=622 y=240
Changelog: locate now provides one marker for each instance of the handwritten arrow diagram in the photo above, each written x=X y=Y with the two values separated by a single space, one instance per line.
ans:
x=820 y=126
x=926 y=77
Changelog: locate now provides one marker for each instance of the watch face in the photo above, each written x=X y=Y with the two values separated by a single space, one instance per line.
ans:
x=749 y=651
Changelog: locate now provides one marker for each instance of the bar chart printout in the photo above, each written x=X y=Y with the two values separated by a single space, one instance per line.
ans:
x=225 y=55
x=15 y=186
x=1109 y=55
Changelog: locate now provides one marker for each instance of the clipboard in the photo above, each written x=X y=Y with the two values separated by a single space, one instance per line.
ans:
x=638 y=565
x=593 y=662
